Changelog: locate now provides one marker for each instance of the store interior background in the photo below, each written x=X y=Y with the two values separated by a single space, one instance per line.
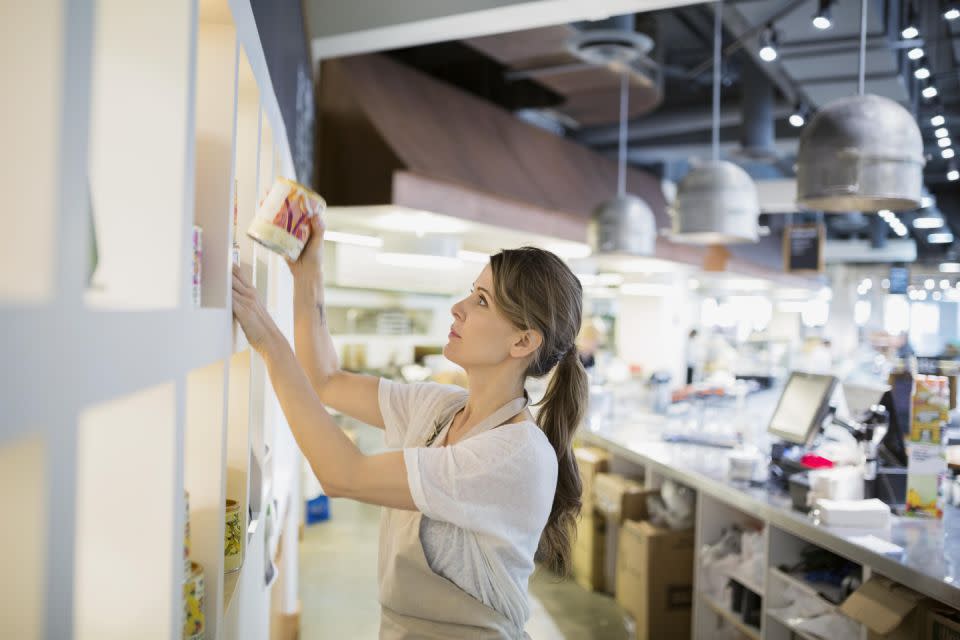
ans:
x=438 y=133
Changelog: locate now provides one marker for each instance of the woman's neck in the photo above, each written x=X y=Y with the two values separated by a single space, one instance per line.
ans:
x=489 y=390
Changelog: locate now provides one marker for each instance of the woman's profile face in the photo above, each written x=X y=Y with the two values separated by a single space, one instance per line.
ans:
x=479 y=334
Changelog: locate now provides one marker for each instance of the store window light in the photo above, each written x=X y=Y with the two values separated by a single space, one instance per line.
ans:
x=861 y=312
x=896 y=315
x=815 y=313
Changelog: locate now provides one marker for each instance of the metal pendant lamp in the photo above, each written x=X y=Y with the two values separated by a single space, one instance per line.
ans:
x=625 y=225
x=717 y=202
x=862 y=153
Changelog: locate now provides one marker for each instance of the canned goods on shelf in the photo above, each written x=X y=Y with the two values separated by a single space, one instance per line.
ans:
x=232 y=538
x=194 y=621
x=282 y=222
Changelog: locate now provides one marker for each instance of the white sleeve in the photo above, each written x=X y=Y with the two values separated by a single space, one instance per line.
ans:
x=406 y=406
x=497 y=483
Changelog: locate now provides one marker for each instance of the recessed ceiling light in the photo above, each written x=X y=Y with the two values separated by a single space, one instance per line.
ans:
x=922 y=73
x=927 y=222
x=941 y=132
x=929 y=92
x=915 y=54
x=952 y=13
x=937 y=121
x=947 y=154
x=796 y=119
x=953 y=175
x=944 y=142
x=910 y=33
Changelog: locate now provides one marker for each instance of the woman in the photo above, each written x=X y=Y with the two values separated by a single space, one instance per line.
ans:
x=479 y=486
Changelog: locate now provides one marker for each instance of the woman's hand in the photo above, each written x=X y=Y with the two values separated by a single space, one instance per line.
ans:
x=255 y=321
x=310 y=263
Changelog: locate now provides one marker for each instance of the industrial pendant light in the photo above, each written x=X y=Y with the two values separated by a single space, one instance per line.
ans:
x=624 y=226
x=862 y=153
x=717 y=201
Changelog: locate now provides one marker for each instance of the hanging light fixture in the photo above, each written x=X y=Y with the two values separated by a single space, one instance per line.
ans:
x=862 y=153
x=717 y=202
x=625 y=225
x=821 y=19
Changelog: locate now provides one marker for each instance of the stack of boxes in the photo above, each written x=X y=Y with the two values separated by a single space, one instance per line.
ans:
x=648 y=568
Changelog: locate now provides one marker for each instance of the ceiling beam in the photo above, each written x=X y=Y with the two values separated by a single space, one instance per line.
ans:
x=337 y=28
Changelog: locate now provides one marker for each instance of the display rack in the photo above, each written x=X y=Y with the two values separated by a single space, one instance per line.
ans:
x=134 y=126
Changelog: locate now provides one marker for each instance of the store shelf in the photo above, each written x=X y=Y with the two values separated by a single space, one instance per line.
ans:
x=230 y=583
x=814 y=589
x=746 y=581
x=724 y=612
x=126 y=487
x=23 y=489
x=32 y=155
x=138 y=158
x=797 y=632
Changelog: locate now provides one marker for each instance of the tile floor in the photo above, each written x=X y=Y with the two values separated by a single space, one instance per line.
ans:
x=338 y=587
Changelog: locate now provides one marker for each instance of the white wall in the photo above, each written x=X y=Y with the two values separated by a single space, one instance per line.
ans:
x=652 y=331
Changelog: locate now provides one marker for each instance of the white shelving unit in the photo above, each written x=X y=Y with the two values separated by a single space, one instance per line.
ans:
x=120 y=394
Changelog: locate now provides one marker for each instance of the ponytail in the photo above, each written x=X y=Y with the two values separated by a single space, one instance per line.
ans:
x=561 y=411
x=536 y=290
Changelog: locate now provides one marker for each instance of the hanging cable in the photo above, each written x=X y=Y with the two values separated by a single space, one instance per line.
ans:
x=863 y=47
x=717 y=35
x=622 y=150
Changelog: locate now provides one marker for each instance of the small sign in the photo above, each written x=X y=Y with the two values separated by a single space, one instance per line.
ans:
x=899 y=280
x=803 y=248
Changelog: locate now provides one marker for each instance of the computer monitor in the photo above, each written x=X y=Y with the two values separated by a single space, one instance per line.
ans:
x=803 y=405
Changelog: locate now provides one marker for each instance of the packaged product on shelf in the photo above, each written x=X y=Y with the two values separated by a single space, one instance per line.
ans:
x=197 y=263
x=232 y=538
x=926 y=462
x=282 y=223
x=186 y=533
x=194 y=622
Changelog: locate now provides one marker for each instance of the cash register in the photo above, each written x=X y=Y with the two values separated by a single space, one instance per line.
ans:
x=807 y=402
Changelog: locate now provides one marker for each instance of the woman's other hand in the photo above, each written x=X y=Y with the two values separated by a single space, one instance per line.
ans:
x=310 y=263
x=254 y=319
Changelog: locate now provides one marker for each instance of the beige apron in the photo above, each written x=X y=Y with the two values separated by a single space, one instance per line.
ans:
x=416 y=602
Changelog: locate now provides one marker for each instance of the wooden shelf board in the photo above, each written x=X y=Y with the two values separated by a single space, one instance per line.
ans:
x=731 y=617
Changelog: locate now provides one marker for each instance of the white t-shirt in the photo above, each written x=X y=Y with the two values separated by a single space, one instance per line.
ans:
x=485 y=500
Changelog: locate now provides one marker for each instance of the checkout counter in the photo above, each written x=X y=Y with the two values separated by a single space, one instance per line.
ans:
x=922 y=554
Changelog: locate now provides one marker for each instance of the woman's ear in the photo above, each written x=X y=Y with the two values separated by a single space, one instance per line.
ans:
x=528 y=342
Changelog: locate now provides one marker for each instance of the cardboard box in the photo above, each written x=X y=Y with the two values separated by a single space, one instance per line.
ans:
x=588 y=551
x=618 y=499
x=655 y=579
x=889 y=610
x=591 y=461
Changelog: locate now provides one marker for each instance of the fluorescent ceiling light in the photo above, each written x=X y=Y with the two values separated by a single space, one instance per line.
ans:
x=927 y=222
x=645 y=289
x=418 y=261
x=937 y=121
x=910 y=33
x=950 y=267
x=474 y=257
x=419 y=222
x=940 y=238
x=353 y=238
